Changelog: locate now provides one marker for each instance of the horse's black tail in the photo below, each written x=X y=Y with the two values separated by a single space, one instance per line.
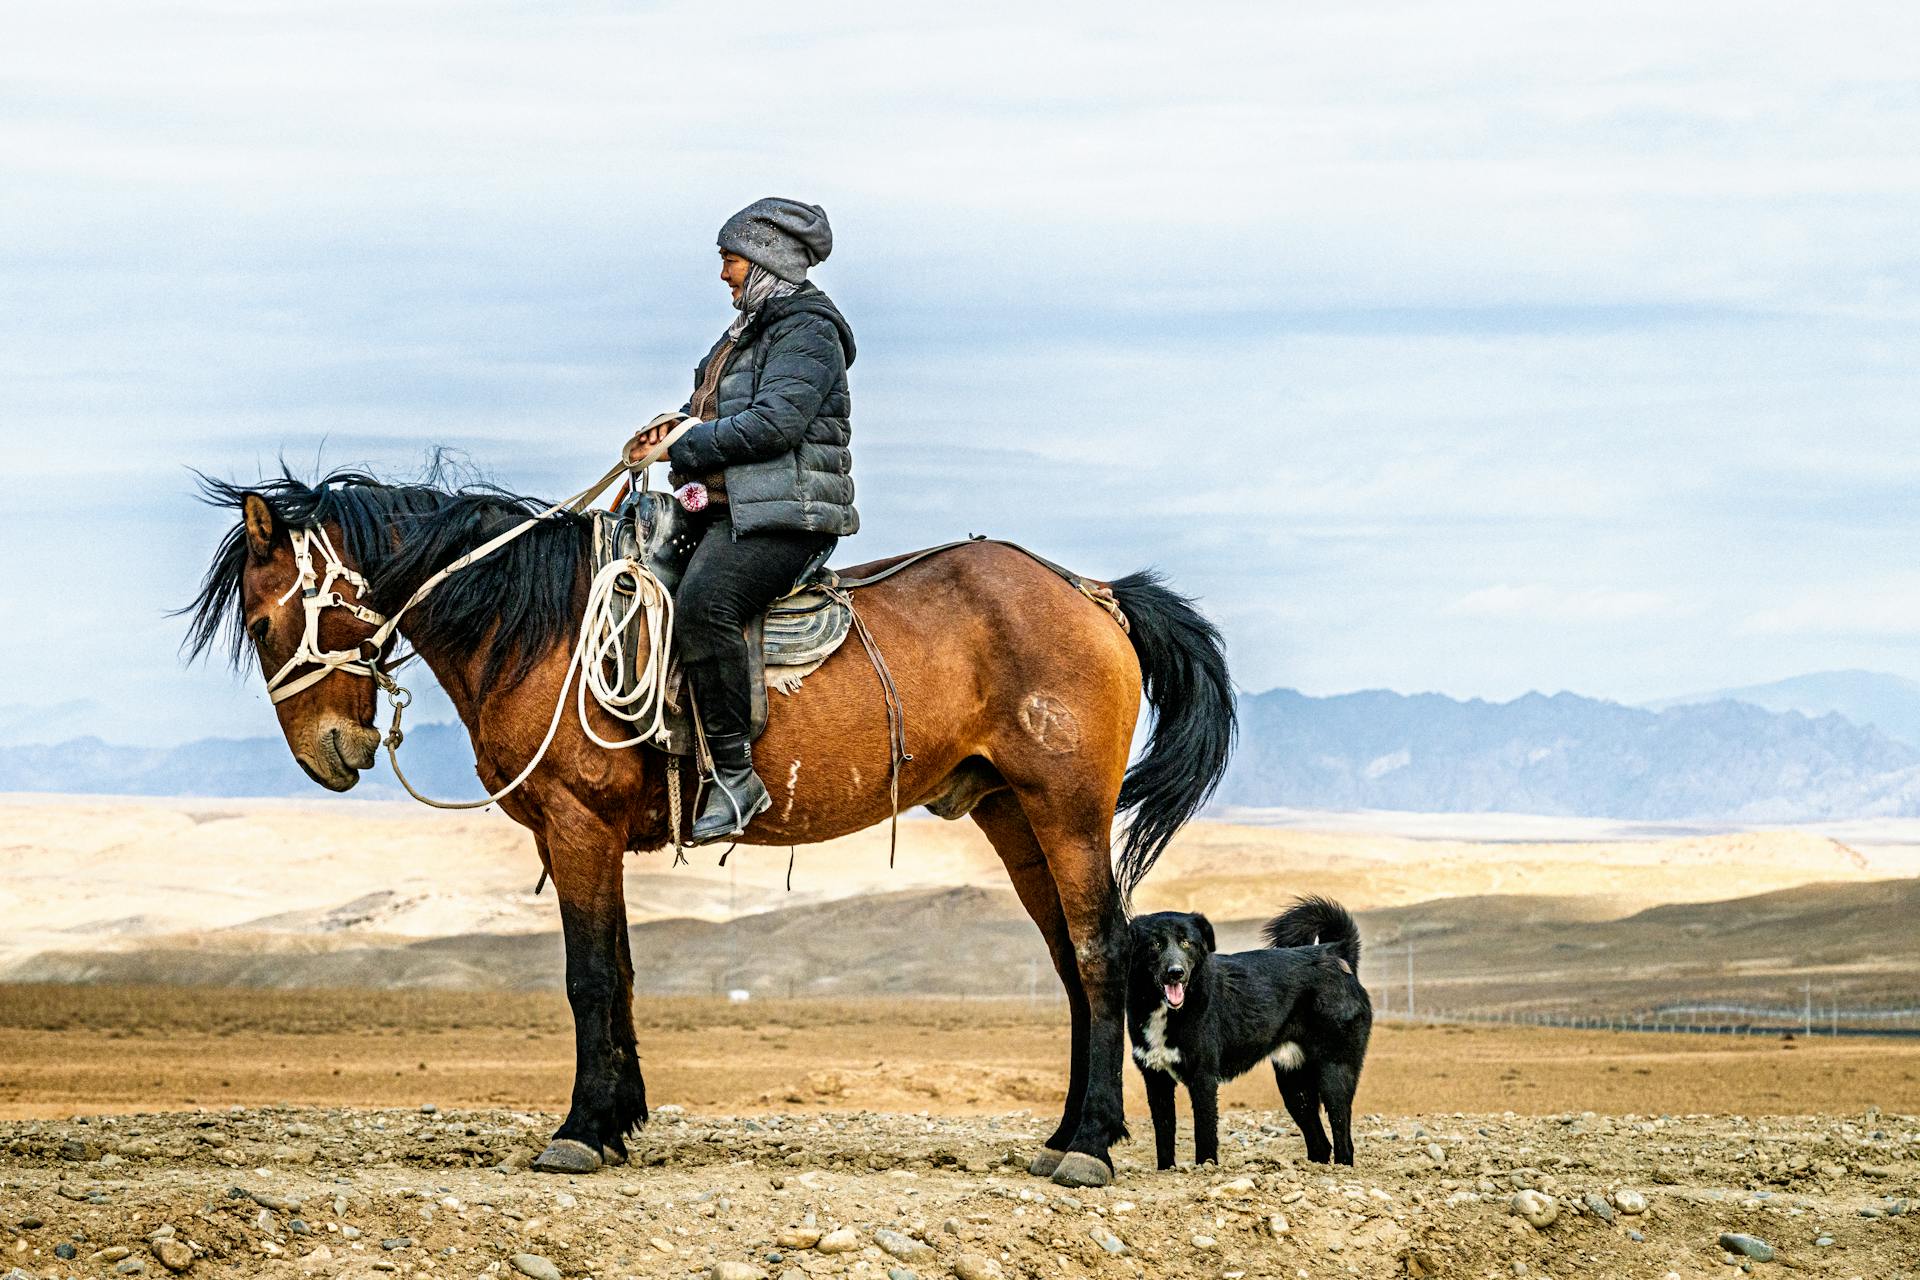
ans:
x=1317 y=920
x=1183 y=672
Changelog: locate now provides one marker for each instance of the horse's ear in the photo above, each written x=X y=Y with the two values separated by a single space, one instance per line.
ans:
x=260 y=525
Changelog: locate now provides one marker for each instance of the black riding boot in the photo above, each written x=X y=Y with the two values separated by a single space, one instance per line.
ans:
x=735 y=796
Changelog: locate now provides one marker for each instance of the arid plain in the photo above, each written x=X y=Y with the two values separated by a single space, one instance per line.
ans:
x=310 y=1038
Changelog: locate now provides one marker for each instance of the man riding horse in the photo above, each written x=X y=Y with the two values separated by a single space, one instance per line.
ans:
x=768 y=449
x=1017 y=683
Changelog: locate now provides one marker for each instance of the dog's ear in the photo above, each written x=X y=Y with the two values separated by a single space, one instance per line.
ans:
x=1205 y=926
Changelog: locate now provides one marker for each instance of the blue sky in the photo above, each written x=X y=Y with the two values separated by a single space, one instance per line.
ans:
x=1479 y=348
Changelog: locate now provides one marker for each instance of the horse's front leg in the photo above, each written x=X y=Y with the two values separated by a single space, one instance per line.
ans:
x=609 y=1096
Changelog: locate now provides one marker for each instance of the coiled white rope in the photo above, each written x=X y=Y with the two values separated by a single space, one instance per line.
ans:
x=597 y=663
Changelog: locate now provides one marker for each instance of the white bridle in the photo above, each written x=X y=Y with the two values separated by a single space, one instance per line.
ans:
x=318 y=593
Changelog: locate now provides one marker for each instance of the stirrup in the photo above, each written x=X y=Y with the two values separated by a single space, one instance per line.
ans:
x=741 y=819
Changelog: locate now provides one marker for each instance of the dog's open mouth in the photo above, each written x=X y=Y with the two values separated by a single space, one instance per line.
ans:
x=1176 y=993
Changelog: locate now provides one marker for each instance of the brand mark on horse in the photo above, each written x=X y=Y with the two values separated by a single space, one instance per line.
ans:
x=1049 y=722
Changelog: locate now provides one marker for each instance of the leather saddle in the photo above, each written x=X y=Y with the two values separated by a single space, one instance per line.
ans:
x=801 y=630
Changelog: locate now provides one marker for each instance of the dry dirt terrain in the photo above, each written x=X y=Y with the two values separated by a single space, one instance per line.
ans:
x=364 y=1044
x=317 y=1133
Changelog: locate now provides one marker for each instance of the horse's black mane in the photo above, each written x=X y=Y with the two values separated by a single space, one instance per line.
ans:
x=518 y=602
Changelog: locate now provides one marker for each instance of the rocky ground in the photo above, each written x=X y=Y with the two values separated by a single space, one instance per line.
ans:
x=425 y=1192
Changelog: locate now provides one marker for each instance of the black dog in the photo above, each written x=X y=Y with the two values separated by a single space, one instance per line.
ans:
x=1197 y=1018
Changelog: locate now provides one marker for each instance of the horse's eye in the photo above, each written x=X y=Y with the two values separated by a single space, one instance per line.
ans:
x=260 y=628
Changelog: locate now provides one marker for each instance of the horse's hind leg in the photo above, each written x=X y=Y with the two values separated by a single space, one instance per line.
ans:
x=609 y=1097
x=1005 y=825
x=1076 y=838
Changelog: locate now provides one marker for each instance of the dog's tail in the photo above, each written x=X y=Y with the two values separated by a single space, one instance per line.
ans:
x=1317 y=920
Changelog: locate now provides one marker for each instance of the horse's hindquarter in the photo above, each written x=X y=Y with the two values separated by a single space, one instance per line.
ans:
x=996 y=660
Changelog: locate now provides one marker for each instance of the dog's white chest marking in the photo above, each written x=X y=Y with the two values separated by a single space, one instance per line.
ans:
x=1156 y=1054
x=1288 y=1057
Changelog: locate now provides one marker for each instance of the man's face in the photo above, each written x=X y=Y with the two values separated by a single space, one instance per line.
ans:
x=733 y=270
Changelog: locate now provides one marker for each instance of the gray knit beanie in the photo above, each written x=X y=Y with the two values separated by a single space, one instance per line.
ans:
x=784 y=236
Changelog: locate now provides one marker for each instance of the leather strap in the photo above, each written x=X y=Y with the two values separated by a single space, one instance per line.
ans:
x=1099 y=593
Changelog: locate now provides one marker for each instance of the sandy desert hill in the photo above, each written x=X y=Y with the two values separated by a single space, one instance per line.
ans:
x=1504 y=911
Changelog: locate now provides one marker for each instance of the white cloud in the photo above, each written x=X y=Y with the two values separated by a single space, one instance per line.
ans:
x=1538 y=601
x=1352 y=310
x=1883 y=607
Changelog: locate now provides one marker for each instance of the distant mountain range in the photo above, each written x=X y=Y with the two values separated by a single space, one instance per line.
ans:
x=439 y=761
x=1711 y=757
x=1564 y=755
x=1889 y=703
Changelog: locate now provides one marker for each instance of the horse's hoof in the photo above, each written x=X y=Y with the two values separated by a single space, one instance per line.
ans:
x=1077 y=1169
x=1043 y=1165
x=564 y=1155
x=609 y=1157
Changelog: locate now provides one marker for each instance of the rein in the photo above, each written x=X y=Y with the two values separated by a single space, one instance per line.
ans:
x=601 y=635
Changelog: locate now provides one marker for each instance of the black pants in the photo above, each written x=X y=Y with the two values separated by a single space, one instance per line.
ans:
x=730 y=582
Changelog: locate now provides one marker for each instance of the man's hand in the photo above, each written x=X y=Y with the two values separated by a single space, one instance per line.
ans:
x=648 y=438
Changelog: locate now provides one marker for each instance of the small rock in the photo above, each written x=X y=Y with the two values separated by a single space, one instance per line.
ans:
x=1227 y=1190
x=1629 y=1202
x=662 y=1245
x=1106 y=1239
x=1277 y=1224
x=280 y=1204
x=903 y=1247
x=396 y=1243
x=841 y=1241
x=65 y=1251
x=951 y=1226
x=1422 y=1265
x=130 y=1266
x=799 y=1238
x=971 y=1266
x=1537 y=1208
x=1204 y=1242
x=534 y=1267
x=1823 y=1241
x=731 y=1270
x=1746 y=1246
x=112 y=1253
x=900 y=1273
x=1597 y=1205
x=173 y=1255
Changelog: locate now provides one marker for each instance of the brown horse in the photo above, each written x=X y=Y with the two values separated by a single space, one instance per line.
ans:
x=1019 y=696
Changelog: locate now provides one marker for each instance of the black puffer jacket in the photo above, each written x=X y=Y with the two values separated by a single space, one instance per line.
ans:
x=780 y=433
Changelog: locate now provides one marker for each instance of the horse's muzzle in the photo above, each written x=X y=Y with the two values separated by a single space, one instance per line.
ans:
x=340 y=755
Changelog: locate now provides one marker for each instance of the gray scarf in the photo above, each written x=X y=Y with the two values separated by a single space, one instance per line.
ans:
x=761 y=288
